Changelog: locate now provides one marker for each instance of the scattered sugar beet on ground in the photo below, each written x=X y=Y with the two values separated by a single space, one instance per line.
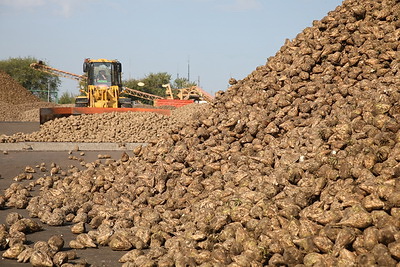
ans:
x=295 y=165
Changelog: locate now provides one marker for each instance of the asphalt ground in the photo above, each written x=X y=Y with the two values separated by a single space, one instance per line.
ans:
x=9 y=128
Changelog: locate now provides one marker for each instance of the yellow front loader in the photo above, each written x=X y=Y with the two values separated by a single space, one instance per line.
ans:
x=101 y=90
x=103 y=85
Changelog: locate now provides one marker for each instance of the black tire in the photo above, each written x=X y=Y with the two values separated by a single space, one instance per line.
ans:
x=81 y=102
x=80 y=105
x=126 y=105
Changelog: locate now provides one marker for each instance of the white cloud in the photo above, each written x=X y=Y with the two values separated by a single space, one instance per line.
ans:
x=20 y=4
x=60 y=7
x=67 y=6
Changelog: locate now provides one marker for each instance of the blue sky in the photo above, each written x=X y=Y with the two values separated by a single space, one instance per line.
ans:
x=218 y=39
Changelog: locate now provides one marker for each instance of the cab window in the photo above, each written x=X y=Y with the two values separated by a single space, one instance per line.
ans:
x=102 y=74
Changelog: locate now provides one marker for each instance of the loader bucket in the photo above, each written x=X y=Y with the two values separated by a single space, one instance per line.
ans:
x=47 y=114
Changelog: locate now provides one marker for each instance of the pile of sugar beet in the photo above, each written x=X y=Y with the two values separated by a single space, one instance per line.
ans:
x=295 y=165
x=114 y=127
x=16 y=102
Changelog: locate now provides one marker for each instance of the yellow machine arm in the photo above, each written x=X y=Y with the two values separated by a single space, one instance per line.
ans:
x=140 y=94
x=42 y=67
x=168 y=91
x=183 y=94
x=206 y=96
x=186 y=93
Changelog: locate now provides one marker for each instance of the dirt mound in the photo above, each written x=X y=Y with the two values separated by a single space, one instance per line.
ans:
x=296 y=164
x=16 y=102
x=14 y=93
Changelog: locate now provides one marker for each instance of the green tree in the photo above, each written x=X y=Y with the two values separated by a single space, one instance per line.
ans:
x=182 y=83
x=41 y=84
x=152 y=84
x=67 y=98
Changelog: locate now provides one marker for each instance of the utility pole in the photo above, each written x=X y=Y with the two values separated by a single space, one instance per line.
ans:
x=48 y=91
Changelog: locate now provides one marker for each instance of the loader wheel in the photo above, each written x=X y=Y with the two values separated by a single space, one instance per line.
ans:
x=80 y=105
x=124 y=102
x=81 y=102
x=126 y=105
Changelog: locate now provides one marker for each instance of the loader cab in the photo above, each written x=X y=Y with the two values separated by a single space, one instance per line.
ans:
x=103 y=74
